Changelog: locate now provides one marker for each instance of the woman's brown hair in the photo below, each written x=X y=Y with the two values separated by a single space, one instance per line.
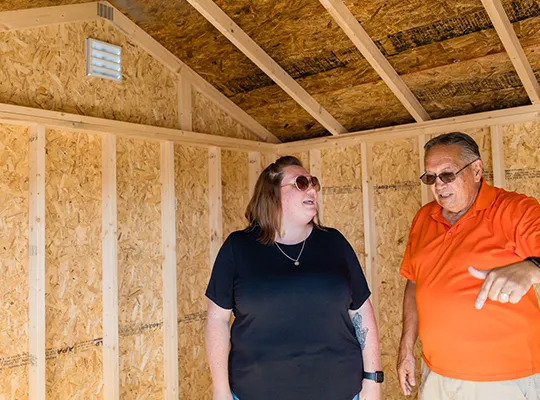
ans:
x=264 y=208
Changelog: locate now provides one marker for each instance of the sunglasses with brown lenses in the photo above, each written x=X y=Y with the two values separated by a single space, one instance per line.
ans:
x=303 y=183
x=445 y=177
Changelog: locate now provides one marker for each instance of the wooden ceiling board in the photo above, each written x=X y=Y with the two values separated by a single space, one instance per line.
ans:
x=489 y=81
x=302 y=37
x=388 y=17
x=468 y=104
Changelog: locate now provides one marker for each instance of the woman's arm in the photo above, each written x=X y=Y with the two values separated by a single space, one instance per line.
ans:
x=367 y=334
x=217 y=349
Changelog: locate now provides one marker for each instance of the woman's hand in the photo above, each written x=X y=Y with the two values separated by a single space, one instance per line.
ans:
x=371 y=390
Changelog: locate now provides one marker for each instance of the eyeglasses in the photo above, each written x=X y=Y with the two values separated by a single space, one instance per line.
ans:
x=445 y=177
x=303 y=183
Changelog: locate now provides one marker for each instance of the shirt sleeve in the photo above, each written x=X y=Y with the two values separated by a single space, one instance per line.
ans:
x=407 y=269
x=359 y=286
x=220 y=287
x=527 y=214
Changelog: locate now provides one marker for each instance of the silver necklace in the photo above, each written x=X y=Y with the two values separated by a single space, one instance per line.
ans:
x=296 y=262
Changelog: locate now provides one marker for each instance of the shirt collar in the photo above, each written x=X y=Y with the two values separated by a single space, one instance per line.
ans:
x=486 y=197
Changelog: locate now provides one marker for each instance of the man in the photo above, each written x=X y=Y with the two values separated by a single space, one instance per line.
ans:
x=470 y=269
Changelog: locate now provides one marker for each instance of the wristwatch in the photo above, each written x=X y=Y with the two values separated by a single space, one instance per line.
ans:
x=534 y=260
x=377 y=376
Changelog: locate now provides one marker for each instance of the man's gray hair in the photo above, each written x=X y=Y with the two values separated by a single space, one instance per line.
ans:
x=469 y=148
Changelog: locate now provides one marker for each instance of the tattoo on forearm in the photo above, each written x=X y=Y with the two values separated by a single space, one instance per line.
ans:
x=361 y=332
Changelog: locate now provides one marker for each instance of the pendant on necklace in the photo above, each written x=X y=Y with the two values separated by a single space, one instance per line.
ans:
x=297 y=263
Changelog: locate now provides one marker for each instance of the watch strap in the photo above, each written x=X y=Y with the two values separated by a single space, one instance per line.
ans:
x=377 y=376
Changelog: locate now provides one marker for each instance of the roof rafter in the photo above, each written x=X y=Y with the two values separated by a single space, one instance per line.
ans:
x=255 y=53
x=352 y=28
x=510 y=41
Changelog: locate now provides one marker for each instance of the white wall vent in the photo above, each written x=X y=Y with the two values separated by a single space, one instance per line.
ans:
x=103 y=60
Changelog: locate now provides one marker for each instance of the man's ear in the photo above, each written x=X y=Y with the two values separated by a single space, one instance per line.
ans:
x=478 y=168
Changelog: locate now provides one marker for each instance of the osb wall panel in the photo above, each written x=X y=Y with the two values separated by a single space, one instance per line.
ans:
x=73 y=265
x=139 y=270
x=483 y=138
x=342 y=194
x=208 y=118
x=14 y=262
x=235 y=191
x=267 y=159
x=303 y=157
x=397 y=199
x=45 y=68
x=193 y=269
x=522 y=160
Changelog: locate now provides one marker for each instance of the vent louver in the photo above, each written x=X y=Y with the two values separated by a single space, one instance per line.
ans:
x=104 y=11
x=103 y=60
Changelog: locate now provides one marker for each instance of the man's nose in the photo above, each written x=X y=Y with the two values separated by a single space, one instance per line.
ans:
x=439 y=183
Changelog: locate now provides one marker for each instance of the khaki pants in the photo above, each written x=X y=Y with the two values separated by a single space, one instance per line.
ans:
x=437 y=387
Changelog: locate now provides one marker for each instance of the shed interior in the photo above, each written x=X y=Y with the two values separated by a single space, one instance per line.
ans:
x=116 y=196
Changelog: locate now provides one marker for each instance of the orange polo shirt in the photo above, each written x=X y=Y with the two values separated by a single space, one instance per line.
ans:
x=500 y=341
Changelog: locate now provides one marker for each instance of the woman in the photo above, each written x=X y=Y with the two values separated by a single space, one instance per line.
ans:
x=304 y=327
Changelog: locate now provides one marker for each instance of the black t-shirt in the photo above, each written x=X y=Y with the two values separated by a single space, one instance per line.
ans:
x=292 y=337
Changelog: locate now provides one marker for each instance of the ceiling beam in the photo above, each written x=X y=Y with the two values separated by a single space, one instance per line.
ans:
x=255 y=53
x=20 y=115
x=376 y=59
x=471 y=121
x=510 y=41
